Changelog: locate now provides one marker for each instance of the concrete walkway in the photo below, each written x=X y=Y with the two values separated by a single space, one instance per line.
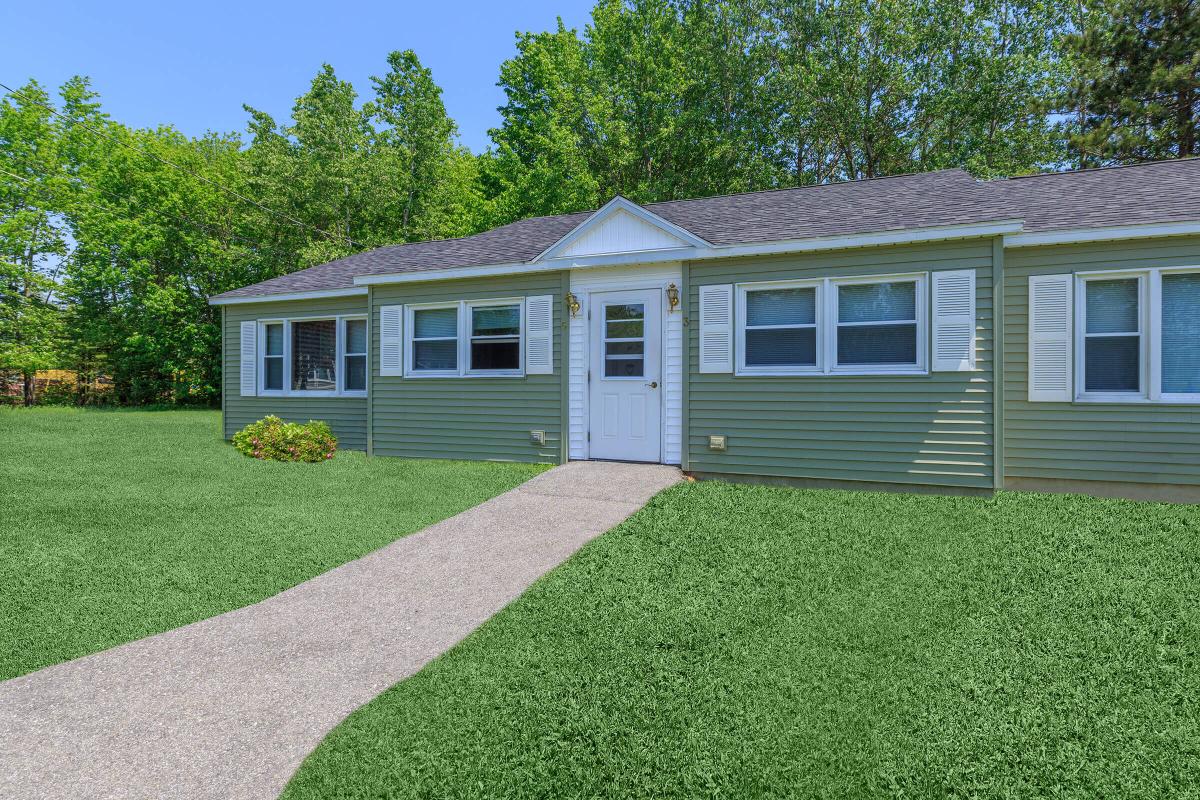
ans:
x=230 y=706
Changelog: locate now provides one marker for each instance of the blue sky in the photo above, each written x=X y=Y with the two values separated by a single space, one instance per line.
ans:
x=193 y=65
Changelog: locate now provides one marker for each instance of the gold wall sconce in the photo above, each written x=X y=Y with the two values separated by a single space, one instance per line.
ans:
x=572 y=304
x=672 y=298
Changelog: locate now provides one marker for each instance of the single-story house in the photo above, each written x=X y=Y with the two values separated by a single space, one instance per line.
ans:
x=920 y=331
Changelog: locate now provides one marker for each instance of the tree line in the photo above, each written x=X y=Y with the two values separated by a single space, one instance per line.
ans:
x=112 y=238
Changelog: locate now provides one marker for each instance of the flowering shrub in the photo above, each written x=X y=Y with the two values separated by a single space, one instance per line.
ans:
x=273 y=439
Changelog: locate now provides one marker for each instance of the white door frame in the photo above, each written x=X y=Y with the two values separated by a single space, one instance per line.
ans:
x=596 y=280
x=637 y=396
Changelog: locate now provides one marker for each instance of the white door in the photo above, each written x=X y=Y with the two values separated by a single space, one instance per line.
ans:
x=626 y=375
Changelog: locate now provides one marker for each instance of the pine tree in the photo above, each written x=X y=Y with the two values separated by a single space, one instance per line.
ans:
x=1137 y=95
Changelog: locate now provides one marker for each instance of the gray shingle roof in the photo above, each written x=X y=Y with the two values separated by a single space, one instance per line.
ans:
x=1162 y=191
x=1159 y=192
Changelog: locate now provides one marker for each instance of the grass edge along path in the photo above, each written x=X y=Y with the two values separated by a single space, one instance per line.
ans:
x=118 y=524
x=747 y=641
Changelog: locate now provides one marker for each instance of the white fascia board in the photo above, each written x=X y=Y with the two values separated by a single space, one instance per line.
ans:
x=910 y=236
x=619 y=203
x=1080 y=235
x=278 y=298
x=881 y=238
x=482 y=271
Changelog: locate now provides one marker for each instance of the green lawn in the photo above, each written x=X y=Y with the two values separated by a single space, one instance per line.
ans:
x=743 y=642
x=119 y=524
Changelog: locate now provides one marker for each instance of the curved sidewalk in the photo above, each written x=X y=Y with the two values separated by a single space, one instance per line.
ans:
x=228 y=707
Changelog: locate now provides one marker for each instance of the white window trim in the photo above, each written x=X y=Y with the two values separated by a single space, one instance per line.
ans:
x=1150 y=320
x=827 y=328
x=466 y=322
x=740 y=316
x=339 y=352
x=463 y=333
x=342 y=340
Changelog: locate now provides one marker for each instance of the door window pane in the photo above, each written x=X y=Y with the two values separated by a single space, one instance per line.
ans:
x=1112 y=345
x=877 y=324
x=624 y=359
x=314 y=355
x=1181 y=334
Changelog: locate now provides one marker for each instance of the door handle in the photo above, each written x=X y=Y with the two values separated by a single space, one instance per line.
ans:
x=653 y=384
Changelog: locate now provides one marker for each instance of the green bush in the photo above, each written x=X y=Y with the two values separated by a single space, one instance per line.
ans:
x=272 y=439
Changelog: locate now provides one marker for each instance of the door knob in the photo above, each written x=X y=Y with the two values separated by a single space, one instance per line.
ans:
x=653 y=384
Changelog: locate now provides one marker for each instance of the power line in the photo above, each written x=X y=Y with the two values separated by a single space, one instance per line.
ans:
x=183 y=169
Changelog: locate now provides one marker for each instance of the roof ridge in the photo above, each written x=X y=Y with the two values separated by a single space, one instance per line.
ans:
x=1105 y=168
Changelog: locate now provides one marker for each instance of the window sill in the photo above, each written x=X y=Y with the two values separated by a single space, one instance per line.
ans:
x=1110 y=400
x=300 y=395
x=461 y=375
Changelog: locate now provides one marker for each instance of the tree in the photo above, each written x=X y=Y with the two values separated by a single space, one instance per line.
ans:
x=32 y=236
x=1137 y=92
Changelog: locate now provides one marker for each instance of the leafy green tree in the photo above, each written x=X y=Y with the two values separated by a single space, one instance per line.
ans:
x=1136 y=95
x=33 y=238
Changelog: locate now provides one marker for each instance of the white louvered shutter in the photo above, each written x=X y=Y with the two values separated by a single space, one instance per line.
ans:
x=391 y=343
x=249 y=350
x=954 y=320
x=1050 y=339
x=716 y=328
x=539 y=335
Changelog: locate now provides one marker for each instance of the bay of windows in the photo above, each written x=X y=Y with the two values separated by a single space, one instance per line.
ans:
x=832 y=325
x=315 y=357
x=472 y=337
x=1138 y=336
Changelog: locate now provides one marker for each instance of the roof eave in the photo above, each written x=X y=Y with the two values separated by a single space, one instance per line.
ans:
x=316 y=294
x=1105 y=234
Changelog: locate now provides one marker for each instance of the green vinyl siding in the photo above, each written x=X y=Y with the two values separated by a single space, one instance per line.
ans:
x=1118 y=442
x=929 y=429
x=346 y=415
x=468 y=417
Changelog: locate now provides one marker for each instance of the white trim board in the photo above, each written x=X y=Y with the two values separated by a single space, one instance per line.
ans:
x=1081 y=235
x=583 y=284
x=279 y=298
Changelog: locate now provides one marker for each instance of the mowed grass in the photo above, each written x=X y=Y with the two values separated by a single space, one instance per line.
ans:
x=735 y=641
x=118 y=524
